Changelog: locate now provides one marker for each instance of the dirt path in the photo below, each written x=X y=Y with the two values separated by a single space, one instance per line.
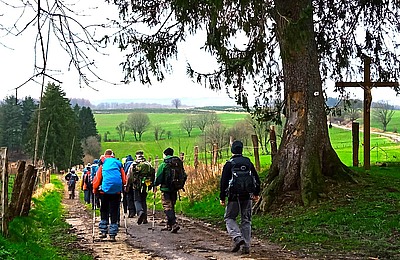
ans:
x=195 y=240
x=395 y=137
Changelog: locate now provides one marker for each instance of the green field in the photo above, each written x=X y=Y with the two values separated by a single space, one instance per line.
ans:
x=393 y=126
x=382 y=149
x=180 y=140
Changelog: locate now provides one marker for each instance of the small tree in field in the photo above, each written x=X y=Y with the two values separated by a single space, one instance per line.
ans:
x=158 y=132
x=121 y=128
x=138 y=123
x=241 y=130
x=188 y=124
x=203 y=120
x=176 y=103
x=91 y=146
x=383 y=112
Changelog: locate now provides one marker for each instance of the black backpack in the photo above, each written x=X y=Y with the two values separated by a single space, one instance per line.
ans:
x=72 y=180
x=86 y=179
x=243 y=180
x=175 y=173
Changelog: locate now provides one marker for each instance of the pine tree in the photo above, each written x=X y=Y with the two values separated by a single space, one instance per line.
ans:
x=11 y=124
x=87 y=123
x=63 y=132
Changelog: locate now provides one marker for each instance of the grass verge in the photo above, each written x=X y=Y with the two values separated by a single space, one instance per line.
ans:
x=359 y=220
x=43 y=234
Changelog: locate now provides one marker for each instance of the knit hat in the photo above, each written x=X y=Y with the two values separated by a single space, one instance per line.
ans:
x=169 y=151
x=237 y=147
x=129 y=158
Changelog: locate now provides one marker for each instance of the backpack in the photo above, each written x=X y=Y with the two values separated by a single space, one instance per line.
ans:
x=175 y=173
x=242 y=181
x=72 y=180
x=86 y=180
x=93 y=171
x=143 y=175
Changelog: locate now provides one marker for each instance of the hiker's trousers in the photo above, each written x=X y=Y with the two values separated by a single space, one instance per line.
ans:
x=168 y=200
x=109 y=210
x=140 y=201
x=232 y=211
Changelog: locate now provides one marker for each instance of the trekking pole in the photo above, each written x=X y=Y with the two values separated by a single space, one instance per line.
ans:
x=124 y=213
x=94 y=215
x=147 y=182
x=180 y=201
x=154 y=208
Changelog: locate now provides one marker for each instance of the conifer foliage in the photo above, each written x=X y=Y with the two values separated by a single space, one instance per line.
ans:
x=61 y=143
x=286 y=45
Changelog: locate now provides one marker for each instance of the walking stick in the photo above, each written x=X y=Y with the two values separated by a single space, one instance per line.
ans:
x=121 y=209
x=180 y=201
x=94 y=215
x=154 y=208
x=147 y=182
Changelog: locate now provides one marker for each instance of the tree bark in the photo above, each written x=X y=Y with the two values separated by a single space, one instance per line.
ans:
x=305 y=157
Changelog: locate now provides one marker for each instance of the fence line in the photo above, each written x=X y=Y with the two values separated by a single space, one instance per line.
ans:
x=23 y=182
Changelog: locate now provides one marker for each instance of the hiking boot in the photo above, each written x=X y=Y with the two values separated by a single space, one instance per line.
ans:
x=112 y=238
x=103 y=235
x=237 y=244
x=145 y=221
x=141 y=218
x=131 y=214
x=167 y=228
x=175 y=228
x=245 y=250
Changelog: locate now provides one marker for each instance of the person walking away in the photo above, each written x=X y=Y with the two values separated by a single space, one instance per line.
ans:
x=128 y=199
x=142 y=176
x=109 y=183
x=93 y=170
x=171 y=177
x=86 y=184
x=240 y=183
x=71 y=178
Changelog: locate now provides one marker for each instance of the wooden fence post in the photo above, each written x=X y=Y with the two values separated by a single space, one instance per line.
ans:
x=196 y=158
x=215 y=155
x=356 y=141
x=27 y=190
x=4 y=189
x=254 y=138
x=272 y=139
x=14 y=209
x=156 y=162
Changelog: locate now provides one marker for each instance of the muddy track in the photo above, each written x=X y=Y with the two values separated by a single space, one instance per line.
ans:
x=195 y=239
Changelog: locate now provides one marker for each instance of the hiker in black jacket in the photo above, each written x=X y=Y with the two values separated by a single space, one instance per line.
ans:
x=239 y=201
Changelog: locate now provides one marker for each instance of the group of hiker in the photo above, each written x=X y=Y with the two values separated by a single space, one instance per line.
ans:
x=108 y=179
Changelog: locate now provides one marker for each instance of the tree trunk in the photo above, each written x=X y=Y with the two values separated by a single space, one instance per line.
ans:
x=305 y=157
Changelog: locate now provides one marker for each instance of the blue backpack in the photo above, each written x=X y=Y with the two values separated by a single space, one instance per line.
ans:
x=111 y=176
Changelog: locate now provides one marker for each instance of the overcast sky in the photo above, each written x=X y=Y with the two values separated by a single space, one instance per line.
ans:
x=18 y=56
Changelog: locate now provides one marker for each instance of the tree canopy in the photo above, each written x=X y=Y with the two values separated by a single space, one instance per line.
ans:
x=138 y=123
x=289 y=46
